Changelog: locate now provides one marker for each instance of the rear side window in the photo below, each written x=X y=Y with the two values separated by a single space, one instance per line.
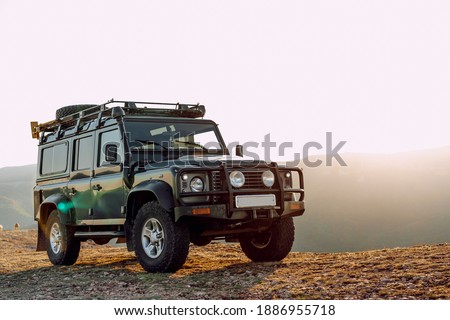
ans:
x=54 y=159
x=83 y=153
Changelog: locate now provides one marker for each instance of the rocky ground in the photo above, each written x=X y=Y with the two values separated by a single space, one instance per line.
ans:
x=221 y=271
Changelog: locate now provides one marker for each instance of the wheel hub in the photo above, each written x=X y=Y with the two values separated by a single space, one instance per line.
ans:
x=153 y=238
x=262 y=240
x=55 y=238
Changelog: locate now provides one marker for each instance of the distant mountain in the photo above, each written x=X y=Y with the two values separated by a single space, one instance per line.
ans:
x=16 y=196
x=377 y=201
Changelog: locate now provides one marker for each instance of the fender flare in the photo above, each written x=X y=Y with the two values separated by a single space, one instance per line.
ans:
x=63 y=205
x=161 y=190
x=155 y=190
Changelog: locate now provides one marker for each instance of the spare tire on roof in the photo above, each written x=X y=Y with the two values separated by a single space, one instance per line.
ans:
x=65 y=111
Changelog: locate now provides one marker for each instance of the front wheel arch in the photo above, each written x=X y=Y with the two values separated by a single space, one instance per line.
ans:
x=157 y=190
x=147 y=191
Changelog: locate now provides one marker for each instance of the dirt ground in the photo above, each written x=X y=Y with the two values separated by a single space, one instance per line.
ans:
x=221 y=271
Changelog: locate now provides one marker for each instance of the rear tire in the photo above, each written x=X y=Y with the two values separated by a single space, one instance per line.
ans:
x=273 y=244
x=101 y=241
x=160 y=244
x=62 y=247
x=201 y=241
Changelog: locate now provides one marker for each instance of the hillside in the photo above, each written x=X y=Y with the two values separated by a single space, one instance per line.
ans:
x=221 y=271
x=376 y=202
x=16 y=196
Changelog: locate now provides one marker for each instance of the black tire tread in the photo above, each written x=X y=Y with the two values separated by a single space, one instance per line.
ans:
x=283 y=234
x=68 y=110
x=177 y=246
x=71 y=245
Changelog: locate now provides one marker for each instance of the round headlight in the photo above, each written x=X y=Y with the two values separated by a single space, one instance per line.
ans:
x=268 y=178
x=237 y=179
x=196 y=184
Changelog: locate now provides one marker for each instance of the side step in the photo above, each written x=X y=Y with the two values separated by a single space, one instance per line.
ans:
x=99 y=234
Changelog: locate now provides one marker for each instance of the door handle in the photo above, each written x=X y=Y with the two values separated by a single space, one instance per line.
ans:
x=97 y=187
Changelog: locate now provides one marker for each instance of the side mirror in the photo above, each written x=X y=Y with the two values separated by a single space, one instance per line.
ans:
x=111 y=153
x=240 y=150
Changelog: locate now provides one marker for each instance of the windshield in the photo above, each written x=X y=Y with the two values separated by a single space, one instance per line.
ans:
x=178 y=137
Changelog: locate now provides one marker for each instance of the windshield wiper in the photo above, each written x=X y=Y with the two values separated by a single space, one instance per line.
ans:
x=152 y=143
x=191 y=144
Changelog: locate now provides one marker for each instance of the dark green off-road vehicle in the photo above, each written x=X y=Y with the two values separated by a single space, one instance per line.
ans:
x=157 y=177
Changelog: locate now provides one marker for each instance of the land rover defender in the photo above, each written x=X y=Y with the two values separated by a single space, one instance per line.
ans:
x=156 y=176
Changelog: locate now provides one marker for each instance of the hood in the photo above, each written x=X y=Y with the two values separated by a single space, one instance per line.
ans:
x=208 y=161
x=215 y=161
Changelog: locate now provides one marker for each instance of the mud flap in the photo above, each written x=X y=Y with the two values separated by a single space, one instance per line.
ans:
x=40 y=240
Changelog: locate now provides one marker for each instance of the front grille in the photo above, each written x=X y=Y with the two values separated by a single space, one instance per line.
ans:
x=216 y=181
x=253 y=180
x=216 y=184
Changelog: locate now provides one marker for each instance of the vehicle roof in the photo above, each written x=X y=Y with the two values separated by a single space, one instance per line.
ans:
x=98 y=116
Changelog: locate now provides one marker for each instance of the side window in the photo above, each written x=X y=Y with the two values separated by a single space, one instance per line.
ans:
x=83 y=153
x=54 y=159
x=110 y=148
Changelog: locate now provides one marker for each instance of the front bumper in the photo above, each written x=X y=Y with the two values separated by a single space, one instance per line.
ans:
x=224 y=203
x=219 y=211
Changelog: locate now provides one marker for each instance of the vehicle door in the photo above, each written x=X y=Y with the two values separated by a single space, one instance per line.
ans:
x=79 y=184
x=107 y=182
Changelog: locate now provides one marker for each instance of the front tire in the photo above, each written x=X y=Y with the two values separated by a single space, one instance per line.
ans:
x=62 y=247
x=273 y=244
x=161 y=245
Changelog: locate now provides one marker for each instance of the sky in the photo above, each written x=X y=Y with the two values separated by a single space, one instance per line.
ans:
x=374 y=73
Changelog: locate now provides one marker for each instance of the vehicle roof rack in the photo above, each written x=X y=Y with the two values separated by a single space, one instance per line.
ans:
x=109 y=108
